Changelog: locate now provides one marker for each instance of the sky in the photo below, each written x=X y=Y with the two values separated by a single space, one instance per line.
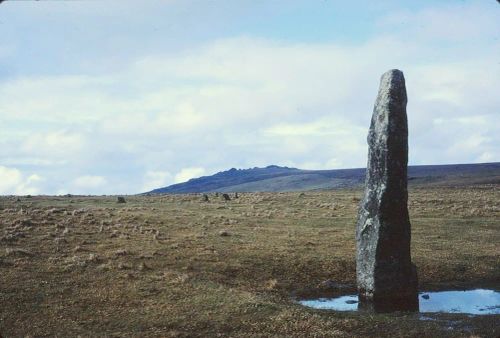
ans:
x=121 y=97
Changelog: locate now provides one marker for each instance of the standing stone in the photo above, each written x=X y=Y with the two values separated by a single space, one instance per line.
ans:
x=386 y=277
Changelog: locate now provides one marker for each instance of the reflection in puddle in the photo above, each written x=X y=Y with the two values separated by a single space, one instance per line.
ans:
x=476 y=302
x=344 y=303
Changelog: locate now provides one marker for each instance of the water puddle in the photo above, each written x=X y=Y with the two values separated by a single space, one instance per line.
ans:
x=475 y=302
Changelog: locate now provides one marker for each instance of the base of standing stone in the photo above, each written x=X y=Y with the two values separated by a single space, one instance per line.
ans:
x=403 y=299
x=390 y=305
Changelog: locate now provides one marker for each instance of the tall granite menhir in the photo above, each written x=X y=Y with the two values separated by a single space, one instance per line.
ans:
x=386 y=277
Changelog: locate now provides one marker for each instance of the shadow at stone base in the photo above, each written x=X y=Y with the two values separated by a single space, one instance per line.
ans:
x=406 y=304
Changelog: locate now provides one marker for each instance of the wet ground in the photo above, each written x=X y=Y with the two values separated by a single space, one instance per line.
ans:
x=474 y=302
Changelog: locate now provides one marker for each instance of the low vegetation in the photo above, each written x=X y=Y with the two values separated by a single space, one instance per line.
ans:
x=179 y=266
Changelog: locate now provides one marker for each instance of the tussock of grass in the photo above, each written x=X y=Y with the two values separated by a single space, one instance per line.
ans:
x=17 y=252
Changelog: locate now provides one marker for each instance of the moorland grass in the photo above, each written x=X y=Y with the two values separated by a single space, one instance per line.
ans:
x=177 y=266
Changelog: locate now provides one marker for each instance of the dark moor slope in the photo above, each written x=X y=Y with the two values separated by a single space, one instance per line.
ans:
x=275 y=178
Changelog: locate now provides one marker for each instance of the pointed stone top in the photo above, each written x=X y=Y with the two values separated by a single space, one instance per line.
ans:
x=392 y=88
x=393 y=77
x=393 y=72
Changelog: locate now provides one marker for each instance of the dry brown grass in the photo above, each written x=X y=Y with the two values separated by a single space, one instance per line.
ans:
x=179 y=266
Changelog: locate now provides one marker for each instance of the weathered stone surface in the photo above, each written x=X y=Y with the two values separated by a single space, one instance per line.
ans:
x=386 y=278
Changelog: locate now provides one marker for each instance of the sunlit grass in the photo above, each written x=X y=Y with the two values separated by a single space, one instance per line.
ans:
x=178 y=266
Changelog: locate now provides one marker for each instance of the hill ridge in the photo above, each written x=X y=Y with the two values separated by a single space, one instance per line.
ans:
x=277 y=178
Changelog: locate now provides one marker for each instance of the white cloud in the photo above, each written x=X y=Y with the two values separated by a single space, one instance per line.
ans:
x=10 y=178
x=452 y=22
x=30 y=185
x=13 y=181
x=89 y=184
x=156 y=179
x=57 y=144
x=486 y=157
x=31 y=161
x=187 y=173
x=321 y=127
x=56 y=99
x=246 y=101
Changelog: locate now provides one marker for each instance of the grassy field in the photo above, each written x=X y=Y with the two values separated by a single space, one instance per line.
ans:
x=175 y=266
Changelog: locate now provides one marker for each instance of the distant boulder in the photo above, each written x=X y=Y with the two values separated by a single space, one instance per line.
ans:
x=224 y=233
x=120 y=199
x=226 y=197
